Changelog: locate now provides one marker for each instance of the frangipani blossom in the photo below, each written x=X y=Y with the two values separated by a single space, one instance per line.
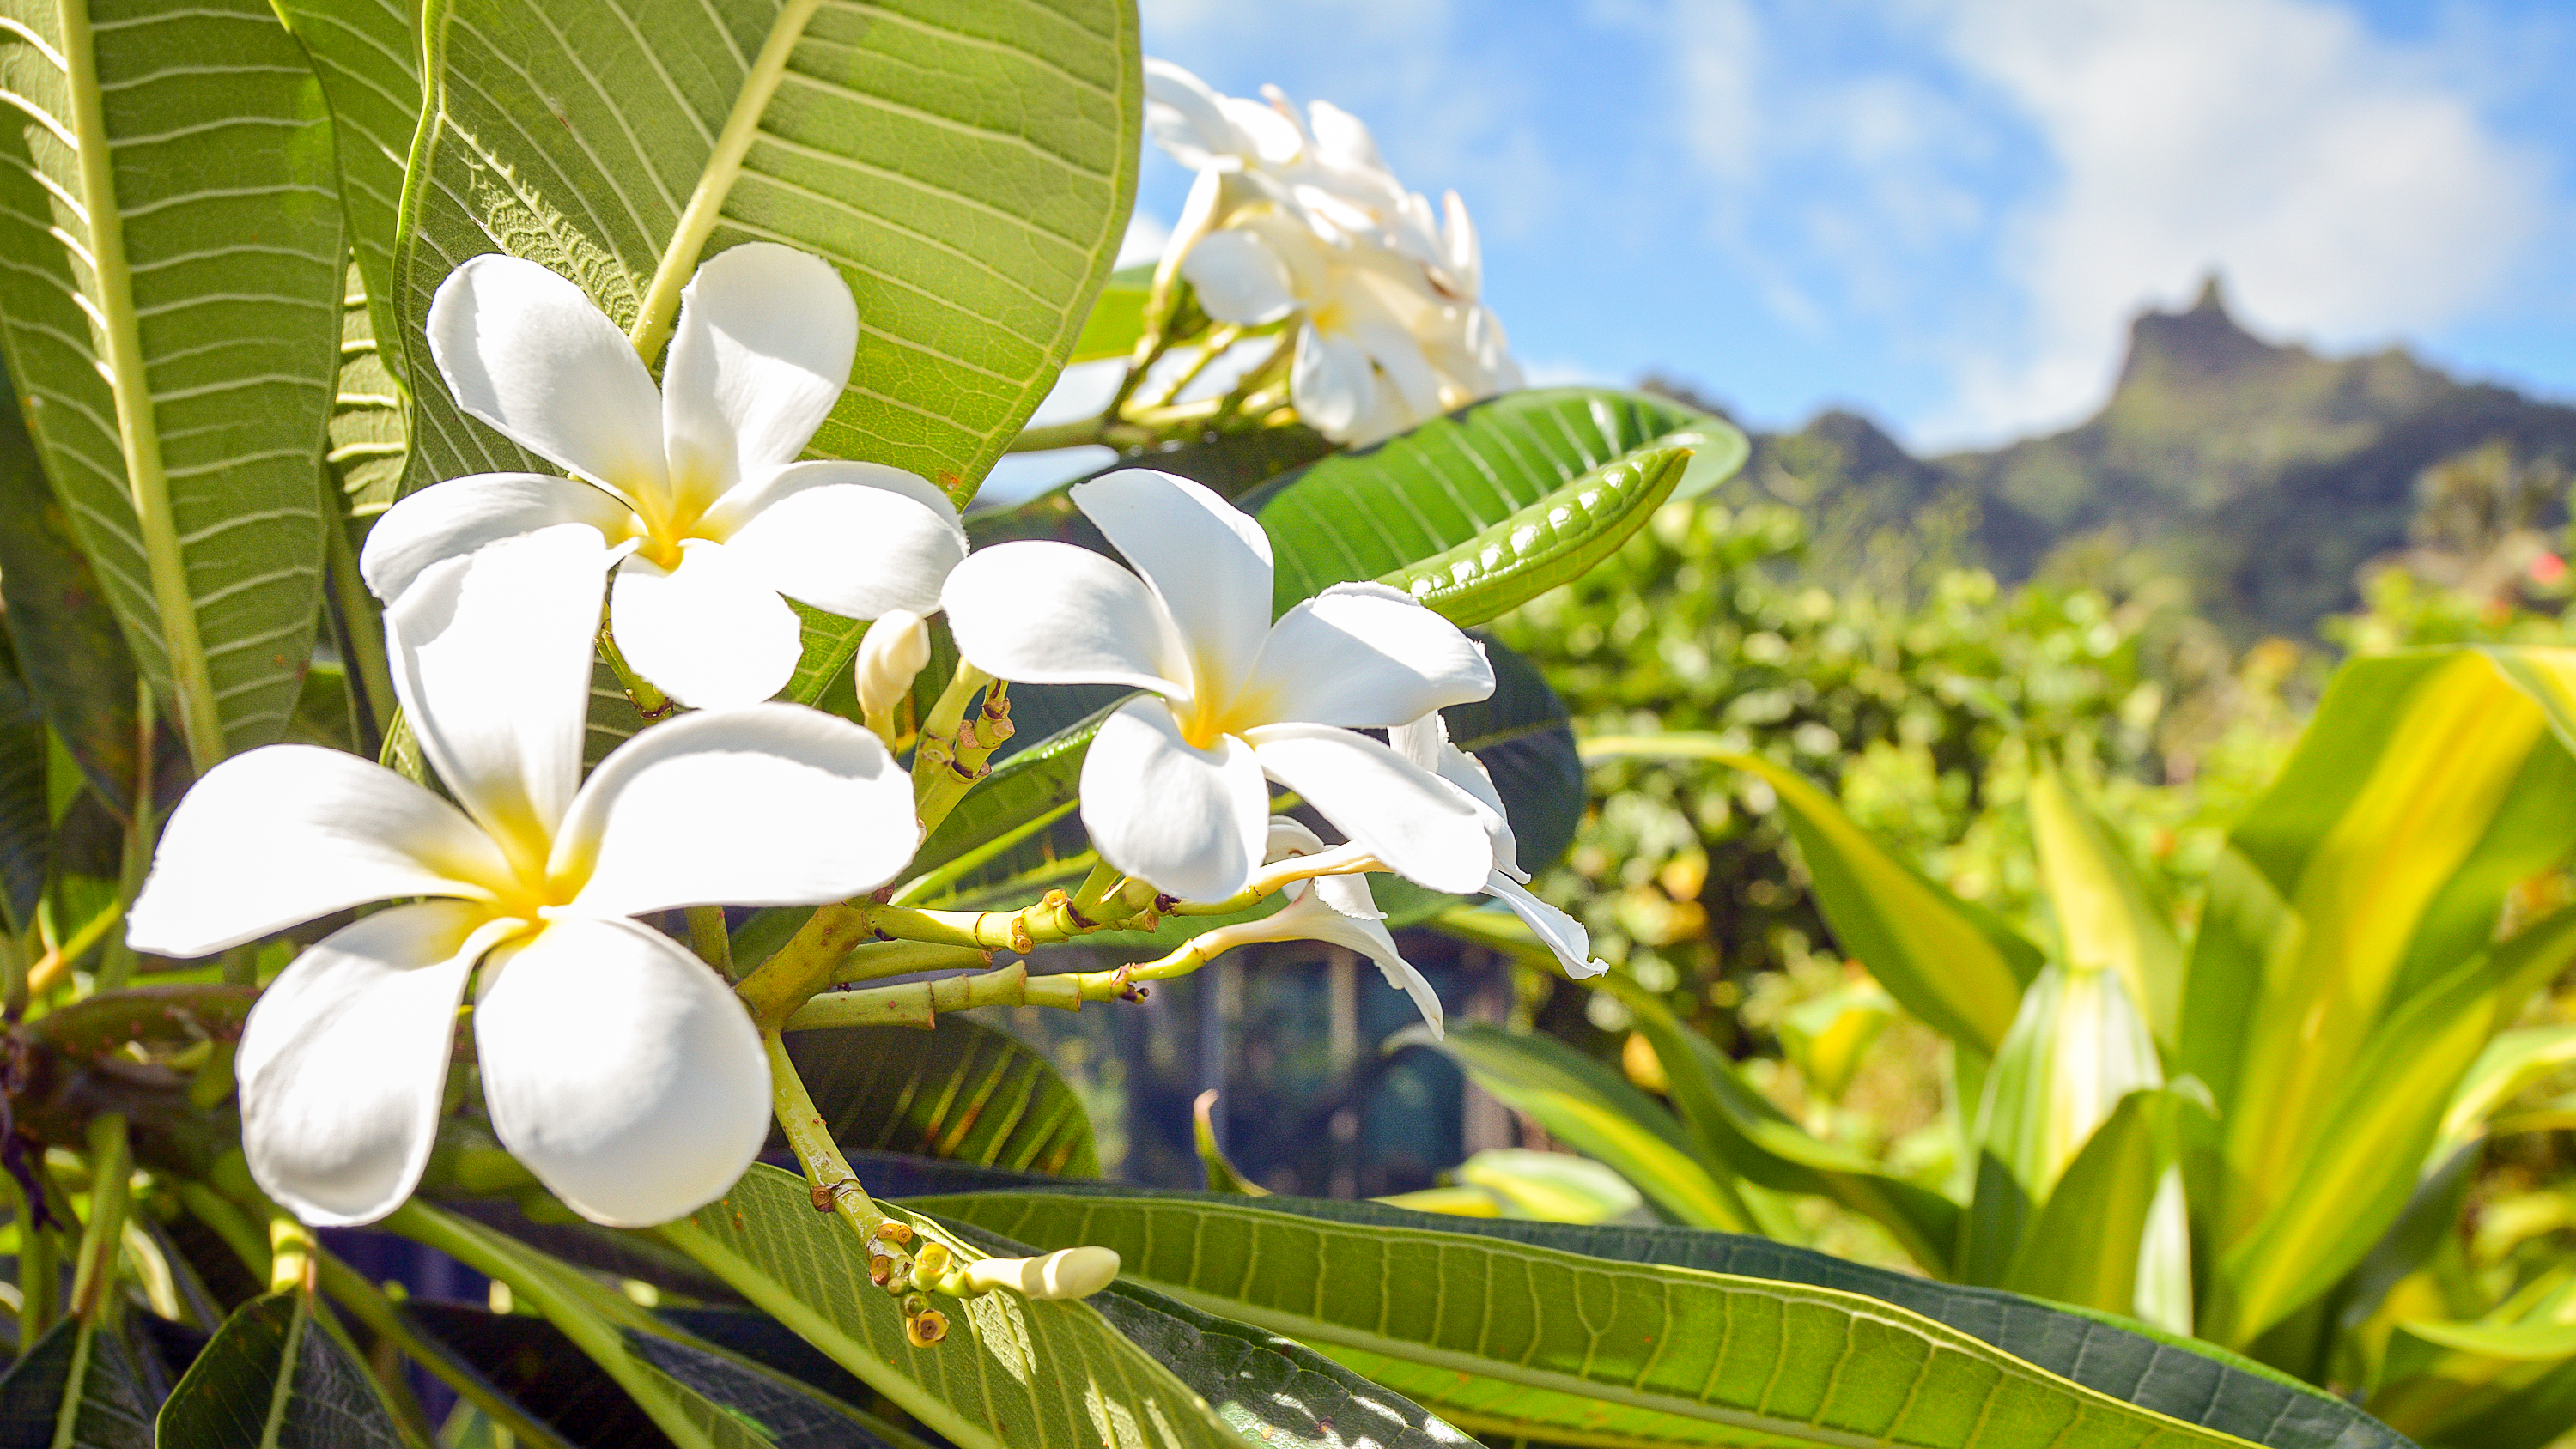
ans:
x=1173 y=788
x=1333 y=908
x=617 y=1066
x=692 y=488
x=1303 y=218
x=1426 y=743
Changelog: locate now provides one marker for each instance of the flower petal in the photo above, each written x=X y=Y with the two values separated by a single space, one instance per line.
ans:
x=1206 y=559
x=710 y=633
x=456 y=517
x=491 y=659
x=529 y=352
x=1426 y=743
x=1050 y=613
x=761 y=351
x=282 y=834
x=343 y=1061
x=1191 y=821
x=1562 y=934
x=1423 y=829
x=765 y=805
x=621 y=1070
x=1312 y=918
x=845 y=538
x=1239 y=279
x=1331 y=382
x=1183 y=116
x=1363 y=654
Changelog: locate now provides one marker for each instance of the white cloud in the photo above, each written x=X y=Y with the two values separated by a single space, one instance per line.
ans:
x=2342 y=189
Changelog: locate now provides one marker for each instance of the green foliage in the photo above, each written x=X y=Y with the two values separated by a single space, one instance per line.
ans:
x=277 y=1374
x=961 y=1090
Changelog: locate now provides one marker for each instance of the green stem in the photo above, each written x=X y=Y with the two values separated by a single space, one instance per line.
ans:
x=362 y=629
x=1108 y=432
x=952 y=761
x=1211 y=347
x=290 y=1252
x=116 y=963
x=918 y=1003
x=228 y=1222
x=111 y=1191
x=826 y=1170
x=708 y=937
x=1095 y=889
x=967 y=863
x=649 y=702
x=368 y=1304
x=40 y=1269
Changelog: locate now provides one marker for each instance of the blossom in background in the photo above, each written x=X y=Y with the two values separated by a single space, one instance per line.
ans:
x=1303 y=218
x=1173 y=788
x=616 y=1065
x=693 y=490
x=1332 y=908
x=1426 y=743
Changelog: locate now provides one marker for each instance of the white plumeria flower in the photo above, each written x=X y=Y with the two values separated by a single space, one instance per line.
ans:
x=1426 y=743
x=693 y=488
x=1333 y=908
x=617 y=1066
x=1173 y=788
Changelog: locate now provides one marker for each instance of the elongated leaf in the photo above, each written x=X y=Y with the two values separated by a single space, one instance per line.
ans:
x=1011 y=1371
x=2489 y=1385
x=1593 y=1110
x=2428 y=784
x=173 y=317
x=2082 y=1246
x=1553 y=541
x=968 y=171
x=1735 y=1124
x=1417 y=496
x=961 y=1090
x=1524 y=738
x=2510 y=1064
x=277 y=1375
x=1957 y=968
x=70 y=651
x=2107 y=914
x=26 y=817
x=369 y=444
x=74 y=1362
x=2184 y=1378
x=1505 y=1337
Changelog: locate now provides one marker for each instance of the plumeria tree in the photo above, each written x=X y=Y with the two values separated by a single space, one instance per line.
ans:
x=517 y=737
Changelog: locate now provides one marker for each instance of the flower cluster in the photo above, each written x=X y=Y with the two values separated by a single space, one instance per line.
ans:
x=618 y=1066
x=1301 y=218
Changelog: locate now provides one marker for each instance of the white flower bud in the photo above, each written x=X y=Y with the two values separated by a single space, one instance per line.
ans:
x=1069 y=1273
x=890 y=654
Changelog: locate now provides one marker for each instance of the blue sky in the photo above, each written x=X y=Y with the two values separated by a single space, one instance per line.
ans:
x=1942 y=212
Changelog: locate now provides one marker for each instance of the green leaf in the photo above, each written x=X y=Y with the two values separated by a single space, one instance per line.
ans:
x=1956 y=967
x=369 y=444
x=70 y=650
x=969 y=172
x=26 y=815
x=1011 y=1372
x=1735 y=1124
x=2486 y=1385
x=1222 y=1175
x=80 y=1368
x=2510 y=1065
x=1525 y=478
x=1117 y=317
x=1504 y=1337
x=962 y=1090
x=2110 y=918
x=1030 y=790
x=2181 y=1377
x=1231 y=465
x=2085 y=1244
x=1595 y=1111
x=277 y=1374
x=1524 y=737
x=173 y=317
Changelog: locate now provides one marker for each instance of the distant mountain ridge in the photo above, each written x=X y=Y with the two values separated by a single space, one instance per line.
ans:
x=2262 y=474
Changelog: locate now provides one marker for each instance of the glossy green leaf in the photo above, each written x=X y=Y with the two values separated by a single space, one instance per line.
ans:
x=1222 y=1175
x=173 y=317
x=1012 y=1372
x=2488 y=1385
x=369 y=443
x=1553 y=541
x=1415 y=497
x=1736 y=1125
x=1117 y=316
x=2184 y=1378
x=86 y=1370
x=26 y=815
x=1956 y=967
x=968 y=171
x=1231 y=465
x=1505 y=1337
x=277 y=1375
x=1594 y=1110
x=962 y=1090
x=2108 y=916
x=2086 y=1243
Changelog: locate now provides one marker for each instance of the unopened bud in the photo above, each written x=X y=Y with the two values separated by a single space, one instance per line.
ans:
x=893 y=650
x=925 y=1328
x=1068 y=1273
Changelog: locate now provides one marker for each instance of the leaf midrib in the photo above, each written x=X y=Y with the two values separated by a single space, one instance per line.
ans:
x=192 y=680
